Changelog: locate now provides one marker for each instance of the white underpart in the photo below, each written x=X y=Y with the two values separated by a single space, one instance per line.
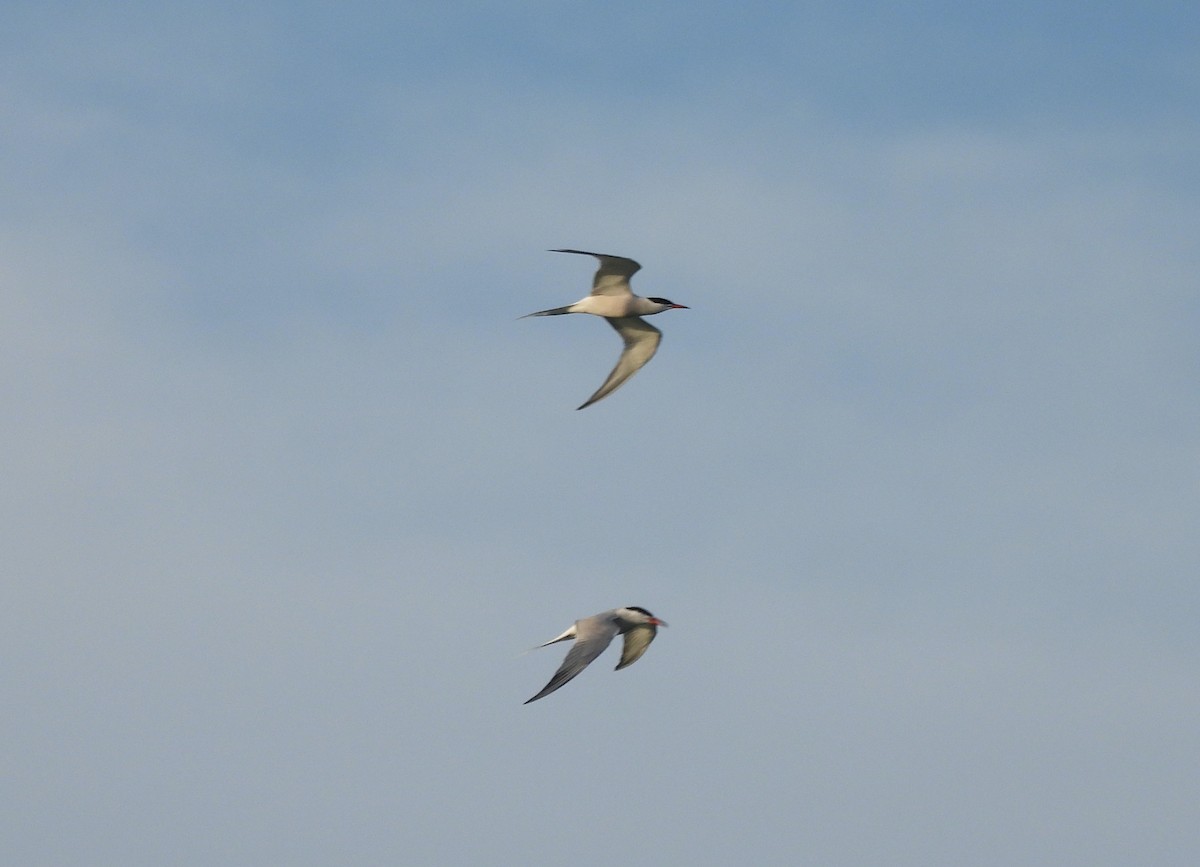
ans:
x=617 y=306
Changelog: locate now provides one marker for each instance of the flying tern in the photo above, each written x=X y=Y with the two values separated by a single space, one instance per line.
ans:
x=612 y=298
x=593 y=634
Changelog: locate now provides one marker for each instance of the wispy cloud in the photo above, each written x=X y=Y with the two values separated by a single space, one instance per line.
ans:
x=287 y=485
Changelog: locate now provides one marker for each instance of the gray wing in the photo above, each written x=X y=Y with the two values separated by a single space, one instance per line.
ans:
x=636 y=642
x=592 y=636
x=641 y=342
x=612 y=278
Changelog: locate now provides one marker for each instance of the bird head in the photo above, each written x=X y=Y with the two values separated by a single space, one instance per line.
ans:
x=668 y=305
x=635 y=614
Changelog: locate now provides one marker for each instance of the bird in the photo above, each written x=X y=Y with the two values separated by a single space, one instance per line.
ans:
x=612 y=298
x=593 y=634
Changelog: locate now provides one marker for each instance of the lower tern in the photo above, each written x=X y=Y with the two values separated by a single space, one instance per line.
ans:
x=593 y=634
x=612 y=298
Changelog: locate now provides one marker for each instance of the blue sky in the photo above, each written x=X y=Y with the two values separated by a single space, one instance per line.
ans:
x=288 y=488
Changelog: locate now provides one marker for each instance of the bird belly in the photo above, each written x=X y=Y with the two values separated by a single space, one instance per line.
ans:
x=608 y=306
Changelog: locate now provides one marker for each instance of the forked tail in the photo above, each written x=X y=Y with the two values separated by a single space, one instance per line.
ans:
x=557 y=311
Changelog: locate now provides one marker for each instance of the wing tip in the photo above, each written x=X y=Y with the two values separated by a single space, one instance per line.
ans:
x=546 y=690
x=600 y=395
x=595 y=398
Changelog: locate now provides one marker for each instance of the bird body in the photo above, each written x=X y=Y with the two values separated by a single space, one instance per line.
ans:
x=610 y=307
x=593 y=634
x=612 y=298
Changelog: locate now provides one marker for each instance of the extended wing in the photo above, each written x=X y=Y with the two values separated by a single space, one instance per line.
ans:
x=612 y=277
x=636 y=642
x=593 y=635
x=641 y=342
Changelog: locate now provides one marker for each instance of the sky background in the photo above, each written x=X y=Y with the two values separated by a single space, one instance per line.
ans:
x=287 y=488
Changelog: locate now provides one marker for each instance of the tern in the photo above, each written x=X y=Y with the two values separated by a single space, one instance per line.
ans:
x=593 y=634
x=612 y=298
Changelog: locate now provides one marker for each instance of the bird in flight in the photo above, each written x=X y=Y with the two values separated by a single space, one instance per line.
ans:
x=612 y=298
x=593 y=634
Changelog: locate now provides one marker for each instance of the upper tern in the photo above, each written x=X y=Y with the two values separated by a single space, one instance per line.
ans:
x=593 y=634
x=612 y=298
